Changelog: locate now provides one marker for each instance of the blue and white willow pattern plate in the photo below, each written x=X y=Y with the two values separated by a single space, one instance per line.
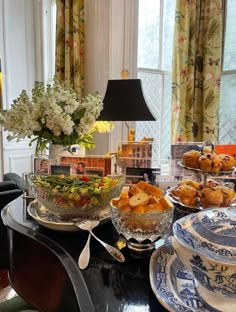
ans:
x=211 y=232
x=172 y=283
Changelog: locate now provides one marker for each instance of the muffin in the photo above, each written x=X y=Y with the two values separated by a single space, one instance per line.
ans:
x=210 y=163
x=187 y=195
x=209 y=183
x=217 y=164
x=211 y=197
x=228 y=162
x=190 y=159
x=228 y=195
x=207 y=150
x=190 y=182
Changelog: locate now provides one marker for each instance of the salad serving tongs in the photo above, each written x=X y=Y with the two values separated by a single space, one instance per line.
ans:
x=87 y=225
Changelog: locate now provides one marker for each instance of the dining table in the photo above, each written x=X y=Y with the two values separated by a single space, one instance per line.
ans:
x=44 y=269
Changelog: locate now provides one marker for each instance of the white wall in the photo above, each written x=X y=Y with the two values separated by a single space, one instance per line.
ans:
x=21 y=51
x=111 y=45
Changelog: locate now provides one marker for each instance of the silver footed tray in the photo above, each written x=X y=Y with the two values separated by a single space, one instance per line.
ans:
x=220 y=173
x=196 y=208
x=176 y=200
x=45 y=218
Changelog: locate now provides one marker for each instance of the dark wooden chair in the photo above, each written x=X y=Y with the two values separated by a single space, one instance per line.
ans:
x=11 y=188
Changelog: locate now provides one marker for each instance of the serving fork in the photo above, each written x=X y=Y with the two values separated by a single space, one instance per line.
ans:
x=87 y=225
x=85 y=253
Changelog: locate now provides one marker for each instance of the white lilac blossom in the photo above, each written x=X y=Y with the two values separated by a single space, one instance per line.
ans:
x=54 y=115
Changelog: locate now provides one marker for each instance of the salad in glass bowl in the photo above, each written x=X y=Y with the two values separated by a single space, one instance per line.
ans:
x=75 y=196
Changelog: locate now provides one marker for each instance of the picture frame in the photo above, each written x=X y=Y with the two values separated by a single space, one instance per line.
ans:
x=40 y=165
x=94 y=172
x=59 y=169
x=134 y=174
x=90 y=164
x=177 y=150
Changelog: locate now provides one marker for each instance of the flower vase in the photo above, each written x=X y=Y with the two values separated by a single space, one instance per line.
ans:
x=55 y=150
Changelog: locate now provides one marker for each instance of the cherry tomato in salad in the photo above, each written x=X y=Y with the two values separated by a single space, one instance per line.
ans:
x=85 y=178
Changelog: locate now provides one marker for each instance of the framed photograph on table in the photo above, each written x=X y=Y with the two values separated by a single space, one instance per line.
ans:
x=89 y=163
x=94 y=172
x=134 y=175
x=40 y=165
x=80 y=167
x=60 y=169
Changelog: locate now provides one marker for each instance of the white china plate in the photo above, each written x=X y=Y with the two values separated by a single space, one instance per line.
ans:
x=172 y=283
x=43 y=217
x=180 y=163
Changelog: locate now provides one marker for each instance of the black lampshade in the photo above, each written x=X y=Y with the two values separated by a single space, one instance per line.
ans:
x=124 y=101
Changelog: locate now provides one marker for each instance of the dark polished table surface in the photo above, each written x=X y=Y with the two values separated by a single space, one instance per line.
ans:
x=111 y=286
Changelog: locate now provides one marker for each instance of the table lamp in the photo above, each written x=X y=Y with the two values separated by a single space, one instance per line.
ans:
x=124 y=101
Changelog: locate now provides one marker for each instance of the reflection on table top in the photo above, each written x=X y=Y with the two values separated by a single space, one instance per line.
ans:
x=113 y=286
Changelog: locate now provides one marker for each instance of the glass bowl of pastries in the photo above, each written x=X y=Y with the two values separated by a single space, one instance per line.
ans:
x=141 y=214
x=200 y=195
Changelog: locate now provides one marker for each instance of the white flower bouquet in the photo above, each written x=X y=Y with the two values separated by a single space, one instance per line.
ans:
x=54 y=115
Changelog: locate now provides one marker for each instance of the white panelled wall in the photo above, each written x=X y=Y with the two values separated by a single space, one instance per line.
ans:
x=25 y=52
x=111 y=45
x=21 y=53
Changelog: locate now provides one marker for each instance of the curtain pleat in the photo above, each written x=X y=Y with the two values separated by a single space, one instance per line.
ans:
x=70 y=40
x=196 y=72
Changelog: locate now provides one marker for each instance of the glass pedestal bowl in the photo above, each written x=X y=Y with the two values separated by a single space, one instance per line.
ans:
x=71 y=197
x=141 y=230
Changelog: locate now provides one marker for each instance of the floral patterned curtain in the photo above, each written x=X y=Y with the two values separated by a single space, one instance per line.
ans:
x=197 y=61
x=0 y=90
x=70 y=39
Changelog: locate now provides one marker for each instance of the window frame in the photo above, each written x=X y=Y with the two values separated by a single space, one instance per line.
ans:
x=49 y=27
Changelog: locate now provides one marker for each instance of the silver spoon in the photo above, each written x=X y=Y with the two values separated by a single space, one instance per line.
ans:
x=86 y=225
x=85 y=253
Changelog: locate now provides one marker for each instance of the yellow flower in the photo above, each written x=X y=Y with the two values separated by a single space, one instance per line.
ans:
x=102 y=126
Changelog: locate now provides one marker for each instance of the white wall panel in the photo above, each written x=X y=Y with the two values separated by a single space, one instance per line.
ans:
x=22 y=66
x=19 y=161
x=105 y=20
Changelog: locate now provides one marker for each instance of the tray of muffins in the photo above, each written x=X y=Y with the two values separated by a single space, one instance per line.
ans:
x=194 y=196
x=206 y=161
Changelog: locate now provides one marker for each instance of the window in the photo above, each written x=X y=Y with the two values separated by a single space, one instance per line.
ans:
x=155 y=37
x=227 y=133
x=49 y=25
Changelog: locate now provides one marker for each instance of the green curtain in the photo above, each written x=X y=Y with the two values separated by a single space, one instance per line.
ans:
x=196 y=72
x=70 y=40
